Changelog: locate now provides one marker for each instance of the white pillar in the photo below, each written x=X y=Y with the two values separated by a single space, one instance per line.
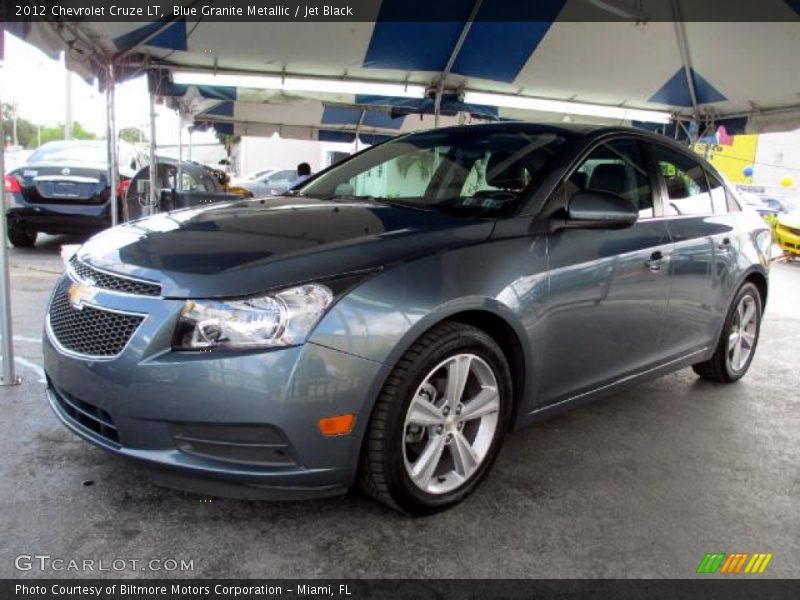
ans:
x=179 y=172
x=111 y=129
x=68 y=105
x=8 y=376
x=154 y=193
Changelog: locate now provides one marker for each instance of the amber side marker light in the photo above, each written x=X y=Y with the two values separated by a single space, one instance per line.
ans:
x=339 y=425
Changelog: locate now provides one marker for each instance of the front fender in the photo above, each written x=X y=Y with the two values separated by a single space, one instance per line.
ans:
x=383 y=317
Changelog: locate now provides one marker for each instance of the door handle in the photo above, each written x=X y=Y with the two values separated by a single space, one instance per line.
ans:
x=654 y=262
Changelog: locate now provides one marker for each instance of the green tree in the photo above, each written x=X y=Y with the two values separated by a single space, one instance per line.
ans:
x=132 y=135
x=228 y=141
x=26 y=131
x=50 y=134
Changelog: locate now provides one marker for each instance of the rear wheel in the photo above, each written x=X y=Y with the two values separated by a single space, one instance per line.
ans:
x=21 y=238
x=737 y=344
x=439 y=421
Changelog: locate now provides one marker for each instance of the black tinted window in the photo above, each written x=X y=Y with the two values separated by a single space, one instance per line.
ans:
x=616 y=168
x=687 y=187
x=70 y=153
x=468 y=171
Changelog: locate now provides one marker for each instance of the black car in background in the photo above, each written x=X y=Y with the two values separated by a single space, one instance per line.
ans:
x=63 y=188
x=181 y=185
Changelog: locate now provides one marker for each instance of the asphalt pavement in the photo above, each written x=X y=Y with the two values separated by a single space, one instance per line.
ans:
x=640 y=484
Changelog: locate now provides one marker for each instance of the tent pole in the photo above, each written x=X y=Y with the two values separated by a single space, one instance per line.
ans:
x=151 y=205
x=8 y=376
x=358 y=126
x=179 y=171
x=437 y=103
x=113 y=167
x=683 y=47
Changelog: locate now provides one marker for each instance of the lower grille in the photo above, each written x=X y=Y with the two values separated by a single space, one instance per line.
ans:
x=92 y=418
x=89 y=331
x=258 y=445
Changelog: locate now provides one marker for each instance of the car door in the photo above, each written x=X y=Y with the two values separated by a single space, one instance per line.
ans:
x=608 y=287
x=701 y=257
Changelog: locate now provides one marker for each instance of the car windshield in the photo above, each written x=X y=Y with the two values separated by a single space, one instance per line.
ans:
x=465 y=171
x=70 y=153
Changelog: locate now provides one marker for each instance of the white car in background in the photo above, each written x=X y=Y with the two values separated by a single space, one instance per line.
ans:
x=16 y=158
x=269 y=182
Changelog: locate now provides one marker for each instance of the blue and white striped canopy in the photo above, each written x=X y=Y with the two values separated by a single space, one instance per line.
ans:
x=742 y=74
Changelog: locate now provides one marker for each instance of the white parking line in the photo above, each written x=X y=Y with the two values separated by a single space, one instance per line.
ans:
x=32 y=366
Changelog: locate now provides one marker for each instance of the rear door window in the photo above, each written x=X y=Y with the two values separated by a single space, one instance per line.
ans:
x=686 y=184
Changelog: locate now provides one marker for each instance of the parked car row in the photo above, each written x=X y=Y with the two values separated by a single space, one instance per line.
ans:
x=63 y=189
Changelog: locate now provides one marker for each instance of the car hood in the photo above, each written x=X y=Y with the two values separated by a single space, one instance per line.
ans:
x=249 y=246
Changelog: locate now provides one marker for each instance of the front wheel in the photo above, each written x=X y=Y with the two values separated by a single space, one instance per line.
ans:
x=439 y=421
x=737 y=344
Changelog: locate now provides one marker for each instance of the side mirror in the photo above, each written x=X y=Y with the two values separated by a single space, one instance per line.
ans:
x=600 y=210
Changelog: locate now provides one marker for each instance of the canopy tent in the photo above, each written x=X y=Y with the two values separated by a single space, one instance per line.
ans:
x=710 y=72
x=330 y=117
x=254 y=113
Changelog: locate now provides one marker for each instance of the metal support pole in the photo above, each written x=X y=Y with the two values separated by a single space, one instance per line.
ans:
x=179 y=172
x=154 y=193
x=358 y=126
x=437 y=103
x=68 y=105
x=8 y=376
x=113 y=167
x=14 y=122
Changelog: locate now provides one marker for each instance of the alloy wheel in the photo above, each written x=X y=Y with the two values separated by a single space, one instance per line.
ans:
x=743 y=334
x=450 y=423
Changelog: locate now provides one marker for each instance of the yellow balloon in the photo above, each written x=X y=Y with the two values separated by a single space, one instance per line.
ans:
x=787 y=181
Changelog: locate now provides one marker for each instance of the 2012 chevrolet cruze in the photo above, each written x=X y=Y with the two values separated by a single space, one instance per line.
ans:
x=389 y=321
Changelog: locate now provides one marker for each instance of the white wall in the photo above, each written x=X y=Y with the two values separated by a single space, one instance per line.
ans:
x=257 y=153
x=778 y=155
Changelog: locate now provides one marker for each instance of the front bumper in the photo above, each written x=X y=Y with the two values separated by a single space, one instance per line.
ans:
x=788 y=239
x=229 y=424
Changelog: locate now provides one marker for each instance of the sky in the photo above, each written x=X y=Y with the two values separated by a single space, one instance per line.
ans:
x=42 y=98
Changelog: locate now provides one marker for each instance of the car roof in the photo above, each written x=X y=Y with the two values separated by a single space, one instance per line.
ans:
x=586 y=131
x=574 y=128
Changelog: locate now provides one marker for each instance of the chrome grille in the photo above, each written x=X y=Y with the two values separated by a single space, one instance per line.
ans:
x=89 y=331
x=115 y=283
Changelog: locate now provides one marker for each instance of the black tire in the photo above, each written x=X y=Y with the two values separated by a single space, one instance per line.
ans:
x=383 y=472
x=21 y=238
x=718 y=367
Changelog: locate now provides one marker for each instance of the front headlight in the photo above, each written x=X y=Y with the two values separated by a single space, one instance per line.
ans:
x=284 y=318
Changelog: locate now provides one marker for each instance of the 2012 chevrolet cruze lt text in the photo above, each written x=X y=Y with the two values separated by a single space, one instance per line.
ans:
x=392 y=319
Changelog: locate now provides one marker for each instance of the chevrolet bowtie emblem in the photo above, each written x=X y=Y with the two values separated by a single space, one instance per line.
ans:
x=80 y=294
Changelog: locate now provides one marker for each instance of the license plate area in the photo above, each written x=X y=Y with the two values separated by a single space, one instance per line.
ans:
x=66 y=189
